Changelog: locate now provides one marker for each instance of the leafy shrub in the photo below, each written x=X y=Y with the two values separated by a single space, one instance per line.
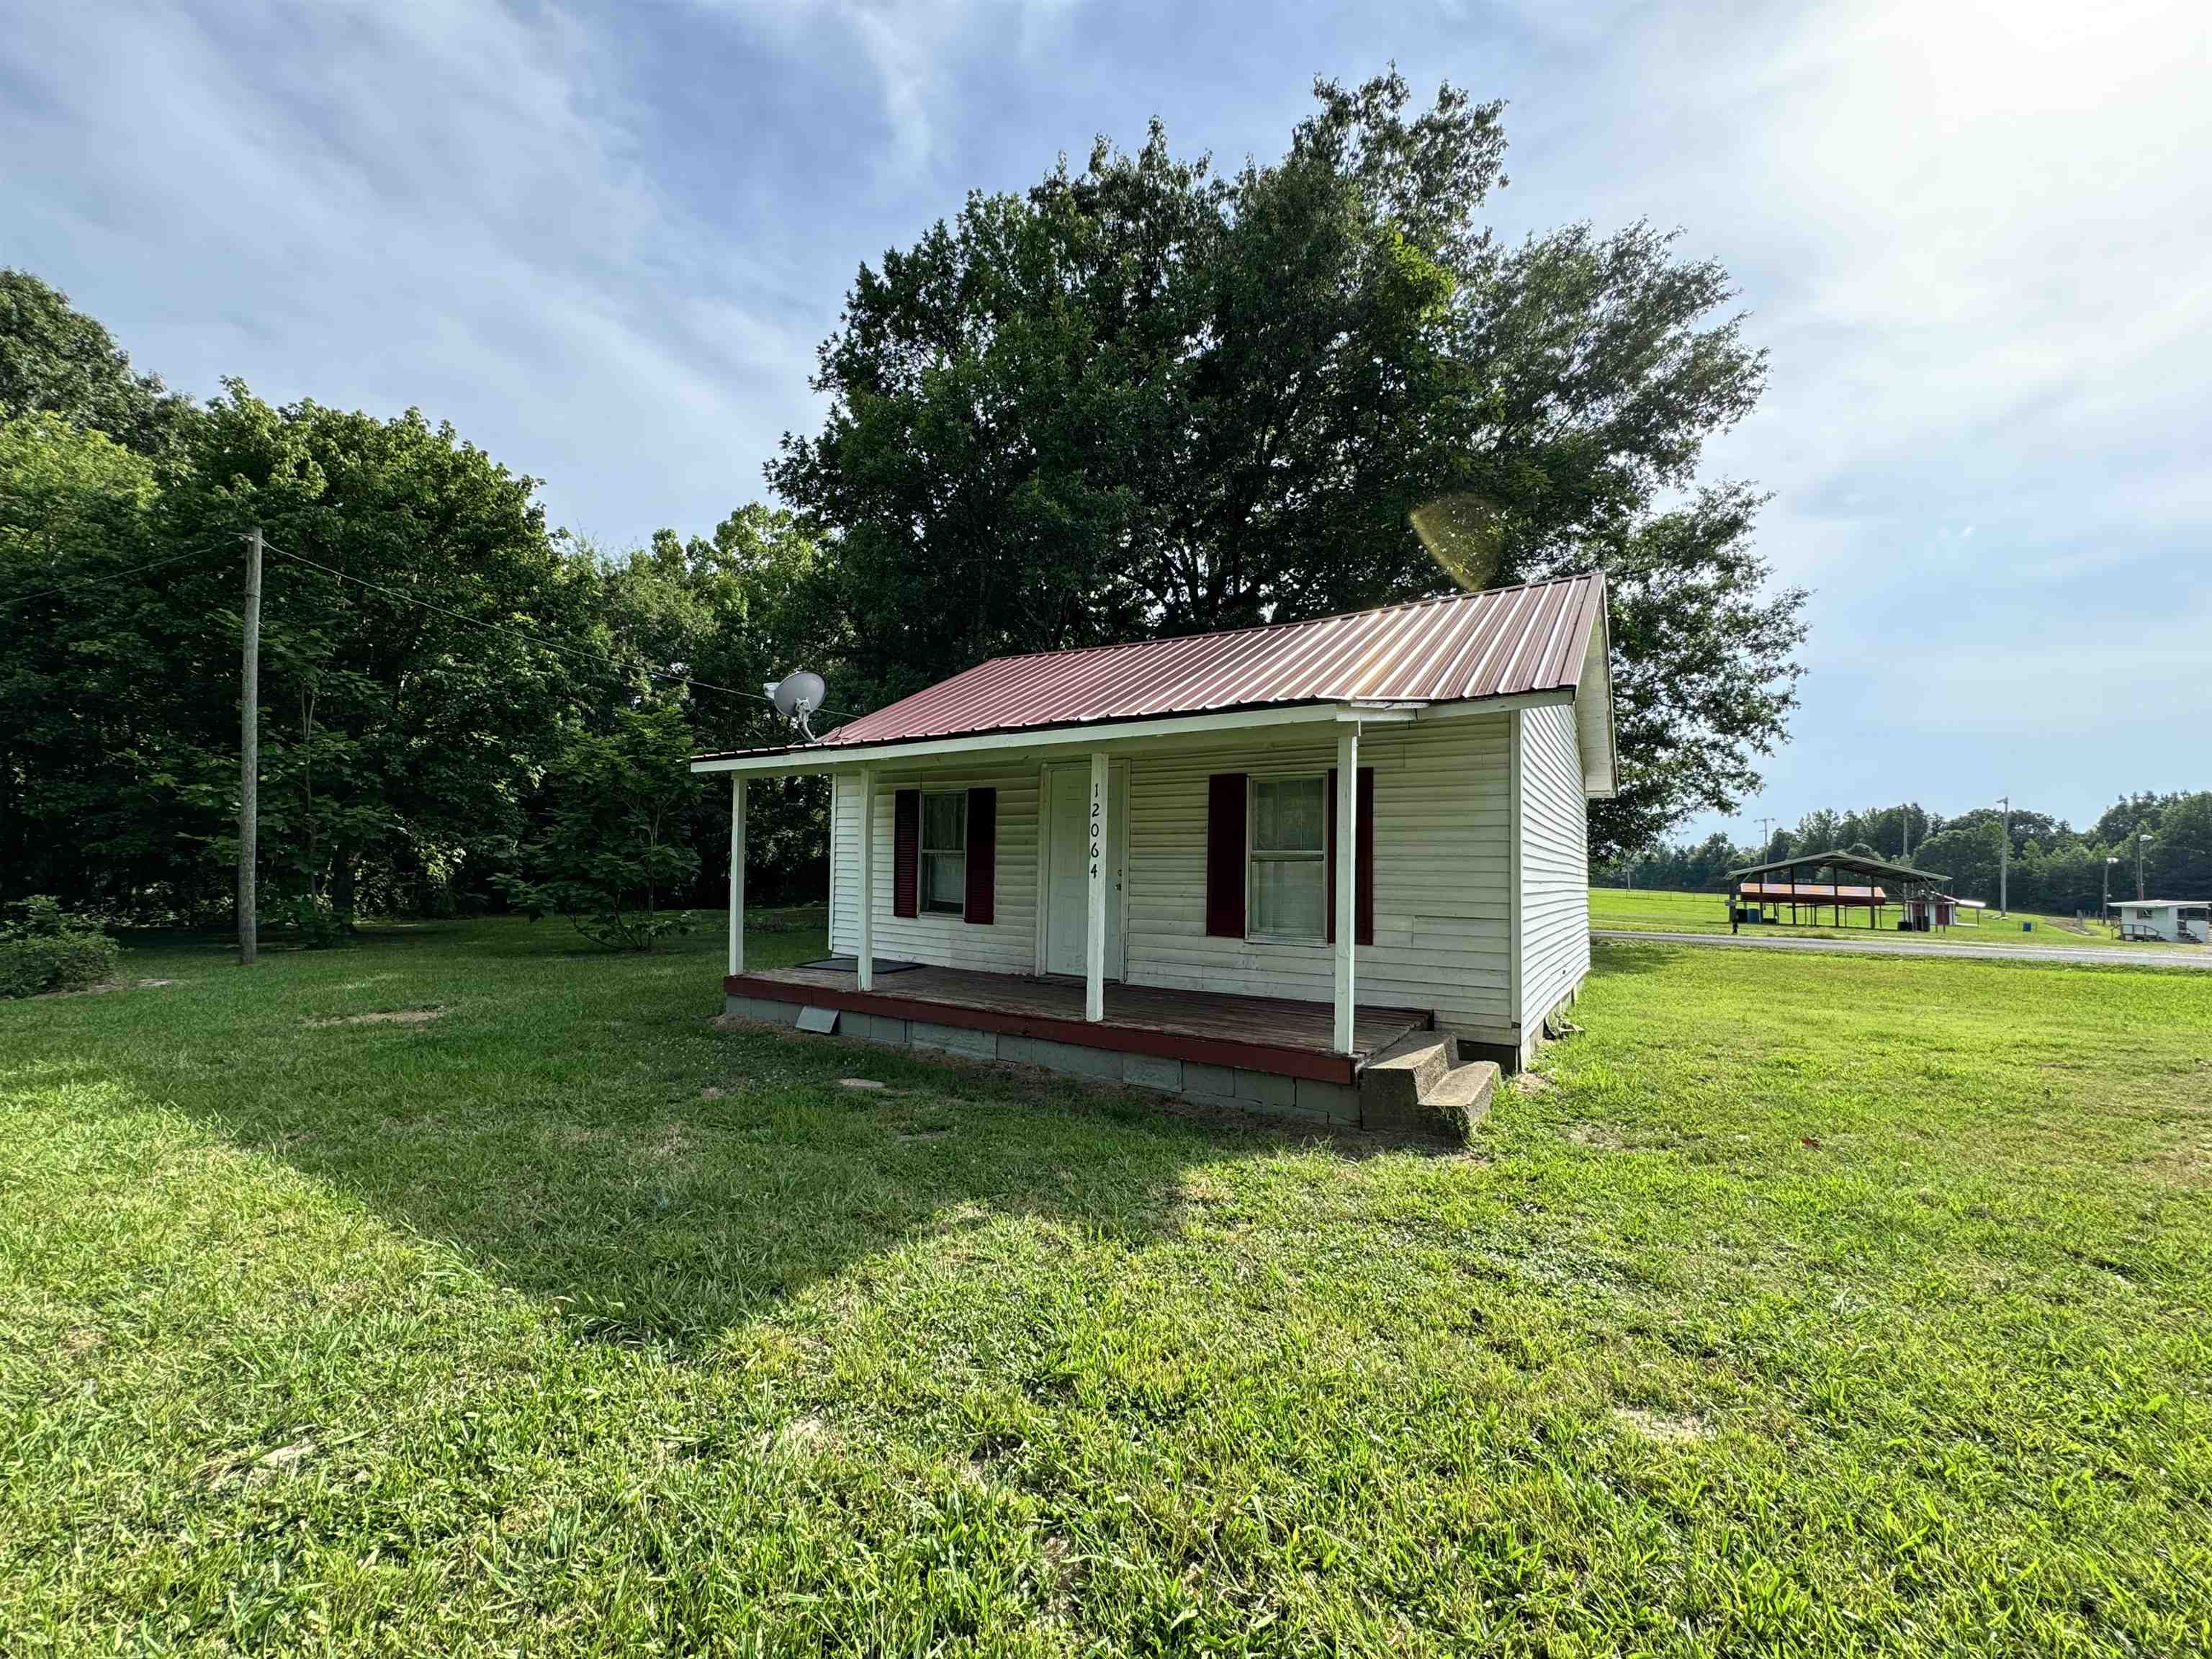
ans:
x=48 y=949
x=613 y=844
x=317 y=925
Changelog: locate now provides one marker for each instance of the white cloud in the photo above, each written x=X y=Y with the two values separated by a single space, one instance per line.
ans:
x=1974 y=236
x=417 y=203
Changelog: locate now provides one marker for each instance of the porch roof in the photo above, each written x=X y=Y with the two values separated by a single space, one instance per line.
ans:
x=1533 y=642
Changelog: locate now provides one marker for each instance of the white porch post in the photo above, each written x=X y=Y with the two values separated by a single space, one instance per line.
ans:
x=737 y=873
x=866 y=952
x=1348 y=878
x=1094 y=938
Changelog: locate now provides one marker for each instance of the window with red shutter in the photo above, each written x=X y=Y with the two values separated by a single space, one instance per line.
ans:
x=1225 y=854
x=982 y=856
x=906 y=852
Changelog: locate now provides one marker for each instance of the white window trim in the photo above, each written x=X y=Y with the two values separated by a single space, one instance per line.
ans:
x=1253 y=857
x=921 y=854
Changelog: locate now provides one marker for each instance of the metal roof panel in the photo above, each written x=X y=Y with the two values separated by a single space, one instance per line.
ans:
x=1462 y=646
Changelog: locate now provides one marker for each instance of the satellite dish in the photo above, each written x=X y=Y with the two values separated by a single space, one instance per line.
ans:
x=796 y=697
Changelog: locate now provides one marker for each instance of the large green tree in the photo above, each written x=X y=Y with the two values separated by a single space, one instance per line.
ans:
x=1145 y=397
x=55 y=360
x=422 y=633
x=733 y=610
x=76 y=632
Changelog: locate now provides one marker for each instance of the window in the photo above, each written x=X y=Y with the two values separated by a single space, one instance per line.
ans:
x=1290 y=857
x=945 y=852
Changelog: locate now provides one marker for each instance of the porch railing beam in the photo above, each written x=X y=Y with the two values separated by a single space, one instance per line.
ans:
x=1348 y=878
x=1100 y=840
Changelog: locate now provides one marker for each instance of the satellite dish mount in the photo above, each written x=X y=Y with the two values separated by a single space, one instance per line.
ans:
x=796 y=697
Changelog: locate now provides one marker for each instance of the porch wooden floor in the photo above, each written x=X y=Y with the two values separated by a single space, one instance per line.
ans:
x=1266 y=1034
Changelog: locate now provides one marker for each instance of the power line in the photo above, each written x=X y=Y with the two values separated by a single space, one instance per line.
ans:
x=95 y=581
x=516 y=633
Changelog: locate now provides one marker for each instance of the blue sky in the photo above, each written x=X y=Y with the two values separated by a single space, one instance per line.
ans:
x=604 y=241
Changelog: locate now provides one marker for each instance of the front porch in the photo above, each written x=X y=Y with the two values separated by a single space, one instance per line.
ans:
x=1217 y=1040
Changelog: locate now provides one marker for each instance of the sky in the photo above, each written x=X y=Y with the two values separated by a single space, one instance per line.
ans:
x=604 y=241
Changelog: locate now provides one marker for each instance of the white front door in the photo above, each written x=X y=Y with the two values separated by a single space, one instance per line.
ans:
x=1067 y=871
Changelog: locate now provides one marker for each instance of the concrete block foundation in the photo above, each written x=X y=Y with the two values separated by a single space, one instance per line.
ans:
x=1334 y=1105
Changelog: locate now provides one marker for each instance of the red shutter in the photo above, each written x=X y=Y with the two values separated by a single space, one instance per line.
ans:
x=906 y=853
x=983 y=855
x=1362 y=872
x=1224 y=855
x=1362 y=875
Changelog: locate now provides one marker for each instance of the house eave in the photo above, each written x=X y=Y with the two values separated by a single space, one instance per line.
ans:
x=1099 y=734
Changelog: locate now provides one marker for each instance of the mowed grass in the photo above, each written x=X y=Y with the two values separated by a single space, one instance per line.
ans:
x=1664 y=911
x=1801 y=1305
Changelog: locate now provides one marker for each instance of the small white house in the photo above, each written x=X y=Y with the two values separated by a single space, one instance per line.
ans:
x=2178 y=921
x=1127 y=861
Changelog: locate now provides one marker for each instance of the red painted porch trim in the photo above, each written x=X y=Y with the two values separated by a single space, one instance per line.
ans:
x=1123 y=1039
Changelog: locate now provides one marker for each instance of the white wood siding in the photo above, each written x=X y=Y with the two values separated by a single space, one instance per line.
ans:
x=1554 y=873
x=1008 y=946
x=1444 y=870
x=1442 y=892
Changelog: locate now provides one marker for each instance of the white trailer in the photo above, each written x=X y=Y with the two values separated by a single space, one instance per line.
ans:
x=2176 y=921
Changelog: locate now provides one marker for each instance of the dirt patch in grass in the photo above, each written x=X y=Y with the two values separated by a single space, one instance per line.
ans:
x=252 y=1468
x=803 y=1437
x=385 y=1017
x=1603 y=1136
x=1670 y=1428
x=2188 y=1165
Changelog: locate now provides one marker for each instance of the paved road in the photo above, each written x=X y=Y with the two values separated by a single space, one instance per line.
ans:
x=2096 y=955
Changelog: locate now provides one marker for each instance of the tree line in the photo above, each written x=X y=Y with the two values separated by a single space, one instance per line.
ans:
x=1144 y=396
x=2054 y=868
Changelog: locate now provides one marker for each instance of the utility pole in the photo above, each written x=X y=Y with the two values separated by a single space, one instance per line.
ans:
x=1905 y=817
x=1765 y=835
x=249 y=749
x=2142 y=840
x=2004 y=857
x=2105 y=907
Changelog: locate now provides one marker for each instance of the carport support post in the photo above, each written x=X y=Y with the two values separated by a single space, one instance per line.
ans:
x=865 y=957
x=1094 y=935
x=737 y=873
x=1348 y=878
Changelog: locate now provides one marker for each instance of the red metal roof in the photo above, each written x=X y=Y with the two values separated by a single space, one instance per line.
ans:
x=1499 y=643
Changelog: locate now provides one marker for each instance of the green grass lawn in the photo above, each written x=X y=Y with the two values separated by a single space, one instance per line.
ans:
x=1802 y=1305
x=1659 y=910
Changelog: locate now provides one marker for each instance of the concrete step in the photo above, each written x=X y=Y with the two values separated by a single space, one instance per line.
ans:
x=1395 y=1078
x=1461 y=1098
x=1423 y=1083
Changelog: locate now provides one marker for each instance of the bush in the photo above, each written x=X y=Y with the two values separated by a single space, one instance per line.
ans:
x=317 y=926
x=48 y=949
x=613 y=848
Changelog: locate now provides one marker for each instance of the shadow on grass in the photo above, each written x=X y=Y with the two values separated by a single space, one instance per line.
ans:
x=1620 y=957
x=662 y=1212
x=582 y=1133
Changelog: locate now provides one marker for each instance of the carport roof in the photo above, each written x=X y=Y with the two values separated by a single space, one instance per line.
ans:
x=1839 y=860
